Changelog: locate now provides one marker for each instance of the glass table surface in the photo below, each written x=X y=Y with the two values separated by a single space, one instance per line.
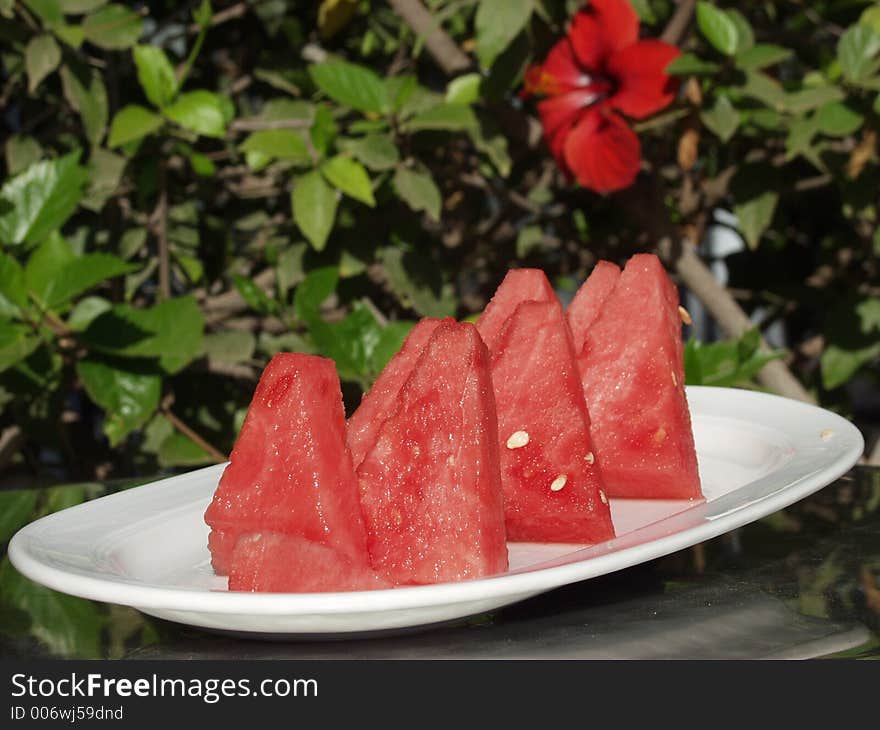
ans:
x=801 y=583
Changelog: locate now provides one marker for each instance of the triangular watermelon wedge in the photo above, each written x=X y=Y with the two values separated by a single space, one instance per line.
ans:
x=275 y=563
x=519 y=285
x=431 y=484
x=290 y=471
x=632 y=372
x=588 y=300
x=381 y=400
x=553 y=489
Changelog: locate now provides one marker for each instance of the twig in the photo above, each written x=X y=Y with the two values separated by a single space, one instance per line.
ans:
x=439 y=44
x=252 y=125
x=11 y=440
x=230 y=13
x=679 y=22
x=216 y=455
x=160 y=228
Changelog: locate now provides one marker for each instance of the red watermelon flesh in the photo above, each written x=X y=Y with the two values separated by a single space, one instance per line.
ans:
x=290 y=471
x=633 y=376
x=381 y=401
x=276 y=563
x=553 y=490
x=519 y=285
x=588 y=300
x=431 y=485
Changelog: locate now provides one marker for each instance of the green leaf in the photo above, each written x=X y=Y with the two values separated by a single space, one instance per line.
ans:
x=65 y=625
x=722 y=119
x=41 y=57
x=388 y=345
x=745 y=36
x=16 y=510
x=65 y=278
x=106 y=170
x=688 y=64
x=21 y=152
x=275 y=144
x=400 y=89
x=324 y=130
x=761 y=56
x=376 y=151
x=314 y=205
x=72 y=35
x=418 y=190
x=838 y=119
x=350 y=177
x=17 y=341
x=85 y=310
x=48 y=11
x=764 y=88
x=155 y=74
x=464 y=89
x=77 y=7
x=871 y=17
x=85 y=91
x=856 y=52
x=46 y=263
x=131 y=123
x=351 y=85
x=230 y=346
x=497 y=23
x=350 y=342
x=113 y=27
x=445 y=117
x=256 y=298
x=798 y=102
x=171 y=331
x=727 y=363
x=199 y=111
x=127 y=390
x=800 y=137
x=179 y=450
x=755 y=215
x=418 y=283
x=717 y=27
x=311 y=293
x=40 y=199
x=852 y=339
x=13 y=290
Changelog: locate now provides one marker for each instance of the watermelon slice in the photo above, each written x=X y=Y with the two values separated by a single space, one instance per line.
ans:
x=381 y=401
x=431 y=484
x=633 y=376
x=553 y=491
x=290 y=471
x=588 y=300
x=519 y=285
x=272 y=562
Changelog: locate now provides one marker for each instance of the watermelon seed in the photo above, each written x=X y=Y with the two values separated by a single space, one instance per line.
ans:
x=827 y=434
x=589 y=458
x=674 y=379
x=685 y=315
x=603 y=497
x=517 y=440
x=660 y=435
x=558 y=483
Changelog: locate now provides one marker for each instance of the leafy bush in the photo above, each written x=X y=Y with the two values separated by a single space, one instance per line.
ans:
x=189 y=190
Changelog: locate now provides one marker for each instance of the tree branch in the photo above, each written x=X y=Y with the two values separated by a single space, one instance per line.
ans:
x=440 y=45
x=678 y=23
x=216 y=455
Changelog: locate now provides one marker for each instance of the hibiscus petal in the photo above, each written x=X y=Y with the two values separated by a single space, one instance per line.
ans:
x=642 y=84
x=601 y=29
x=562 y=65
x=562 y=111
x=602 y=152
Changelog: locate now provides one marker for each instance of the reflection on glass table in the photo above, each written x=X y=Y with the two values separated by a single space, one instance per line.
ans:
x=803 y=582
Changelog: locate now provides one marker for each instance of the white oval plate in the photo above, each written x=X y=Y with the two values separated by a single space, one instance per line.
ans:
x=146 y=547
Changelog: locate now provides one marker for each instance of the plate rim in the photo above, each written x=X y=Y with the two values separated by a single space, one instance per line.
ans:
x=530 y=581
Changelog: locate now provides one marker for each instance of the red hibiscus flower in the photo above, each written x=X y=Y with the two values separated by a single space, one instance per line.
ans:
x=600 y=68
